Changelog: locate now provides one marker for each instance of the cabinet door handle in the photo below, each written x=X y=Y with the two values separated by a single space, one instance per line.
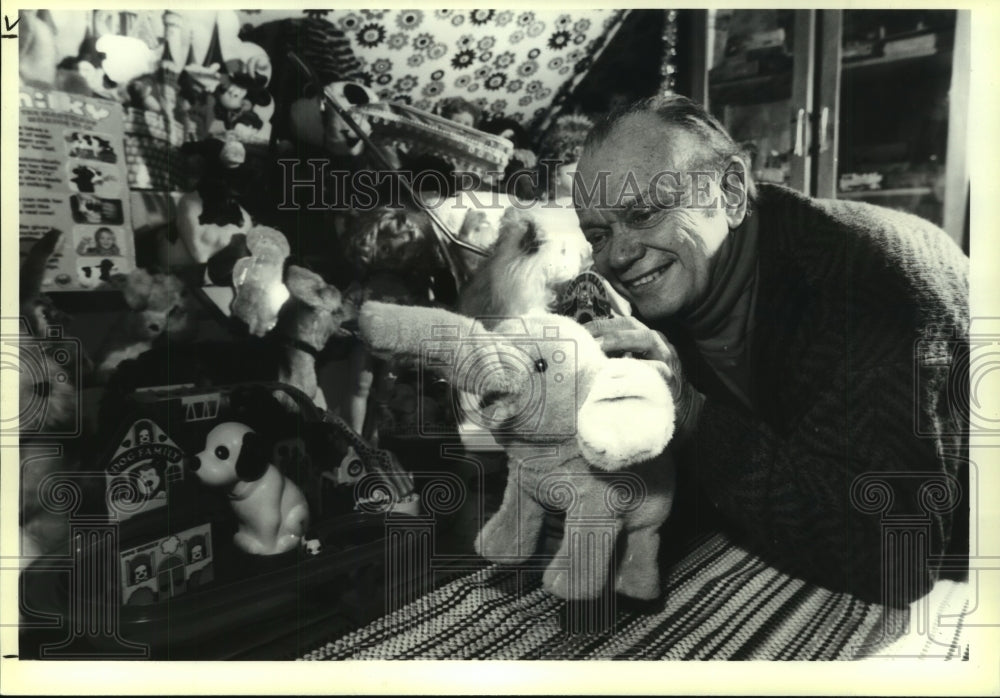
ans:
x=800 y=133
x=824 y=127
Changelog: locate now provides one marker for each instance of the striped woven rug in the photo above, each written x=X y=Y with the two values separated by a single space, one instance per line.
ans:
x=723 y=603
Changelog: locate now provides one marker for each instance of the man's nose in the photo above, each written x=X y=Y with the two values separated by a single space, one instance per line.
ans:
x=625 y=248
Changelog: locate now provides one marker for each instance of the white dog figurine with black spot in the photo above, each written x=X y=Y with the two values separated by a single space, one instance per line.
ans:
x=272 y=511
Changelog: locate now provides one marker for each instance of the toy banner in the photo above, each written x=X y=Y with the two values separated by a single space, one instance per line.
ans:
x=72 y=176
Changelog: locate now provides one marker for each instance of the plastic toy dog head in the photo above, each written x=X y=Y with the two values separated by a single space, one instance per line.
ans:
x=233 y=453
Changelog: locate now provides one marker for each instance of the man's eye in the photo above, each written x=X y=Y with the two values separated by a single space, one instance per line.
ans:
x=641 y=215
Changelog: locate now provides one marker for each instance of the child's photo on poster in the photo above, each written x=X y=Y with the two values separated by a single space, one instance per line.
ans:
x=102 y=241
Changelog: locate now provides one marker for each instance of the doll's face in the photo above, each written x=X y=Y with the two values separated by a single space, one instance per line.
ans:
x=232 y=98
x=464 y=118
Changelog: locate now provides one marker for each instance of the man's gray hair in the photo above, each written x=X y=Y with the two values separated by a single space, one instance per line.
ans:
x=676 y=110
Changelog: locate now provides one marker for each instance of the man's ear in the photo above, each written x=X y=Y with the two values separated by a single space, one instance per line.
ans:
x=252 y=462
x=734 y=191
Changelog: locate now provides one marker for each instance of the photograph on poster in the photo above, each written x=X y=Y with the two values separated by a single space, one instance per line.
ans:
x=92 y=178
x=100 y=241
x=502 y=334
x=92 y=146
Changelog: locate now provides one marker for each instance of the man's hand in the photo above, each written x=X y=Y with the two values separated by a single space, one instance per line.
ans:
x=626 y=334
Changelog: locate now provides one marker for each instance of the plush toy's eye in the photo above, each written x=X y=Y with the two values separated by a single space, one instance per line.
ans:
x=541 y=366
x=222 y=453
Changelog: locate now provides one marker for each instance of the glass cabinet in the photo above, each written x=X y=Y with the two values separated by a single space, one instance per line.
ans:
x=854 y=104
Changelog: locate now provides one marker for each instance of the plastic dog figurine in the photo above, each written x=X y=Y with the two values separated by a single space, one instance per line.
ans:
x=272 y=511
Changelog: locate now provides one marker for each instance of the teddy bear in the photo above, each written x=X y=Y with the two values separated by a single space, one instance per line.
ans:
x=160 y=305
x=584 y=433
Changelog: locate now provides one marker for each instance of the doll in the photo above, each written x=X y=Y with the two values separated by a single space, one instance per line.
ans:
x=396 y=258
x=459 y=110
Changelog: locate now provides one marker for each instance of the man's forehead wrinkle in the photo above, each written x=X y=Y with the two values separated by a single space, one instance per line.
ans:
x=673 y=147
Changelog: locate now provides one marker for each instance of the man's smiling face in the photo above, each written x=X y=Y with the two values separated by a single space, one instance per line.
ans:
x=654 y=243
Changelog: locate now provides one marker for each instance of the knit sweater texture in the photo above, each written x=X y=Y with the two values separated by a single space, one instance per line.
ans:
x=850 y=467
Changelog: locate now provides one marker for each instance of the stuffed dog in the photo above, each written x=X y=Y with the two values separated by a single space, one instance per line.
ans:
x=272 y=511
x=539 y=250
x=584 y=433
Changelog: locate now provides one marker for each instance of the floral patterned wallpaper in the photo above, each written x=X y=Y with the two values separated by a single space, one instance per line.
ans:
x=518 y=63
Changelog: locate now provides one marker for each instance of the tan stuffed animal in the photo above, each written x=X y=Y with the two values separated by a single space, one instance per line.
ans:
x=584 y=433
x=160 y=305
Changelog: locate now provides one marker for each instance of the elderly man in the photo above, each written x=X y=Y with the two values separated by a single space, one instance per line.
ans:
x=814 y=347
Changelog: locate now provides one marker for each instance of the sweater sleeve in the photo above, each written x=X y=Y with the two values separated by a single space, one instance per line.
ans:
x=848 y=494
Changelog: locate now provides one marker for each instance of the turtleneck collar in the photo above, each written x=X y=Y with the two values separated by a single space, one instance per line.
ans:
x=720 y=325
x=733 y=269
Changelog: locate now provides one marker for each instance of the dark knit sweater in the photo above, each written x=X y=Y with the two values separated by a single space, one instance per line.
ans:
x=860 y=331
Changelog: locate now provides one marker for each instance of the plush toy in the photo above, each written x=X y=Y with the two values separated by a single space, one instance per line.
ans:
x=538 y=250
x=160 y=306
x=312 y=316
x=48 y=403
x=209 y=216
x=258 y=280
x=242 y=107
x=584 y=433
